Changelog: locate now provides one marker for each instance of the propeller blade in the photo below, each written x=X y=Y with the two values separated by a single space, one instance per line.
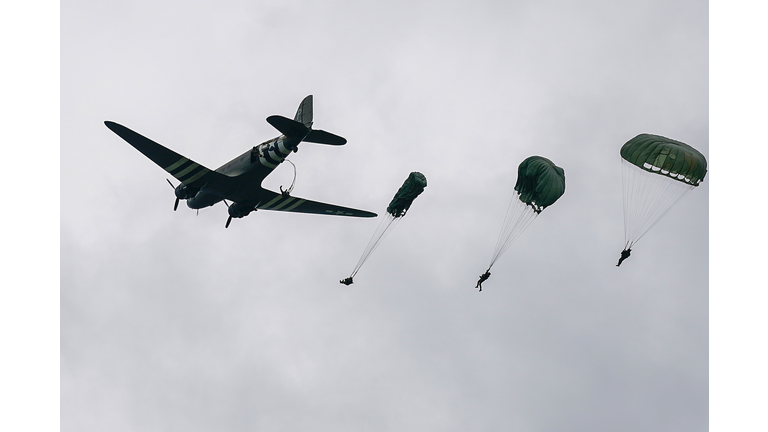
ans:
x=176 y=204
x=229 y=219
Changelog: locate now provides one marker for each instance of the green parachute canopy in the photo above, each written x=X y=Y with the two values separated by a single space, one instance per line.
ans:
x=411 y=188
x=667 y=157
x=539 y=182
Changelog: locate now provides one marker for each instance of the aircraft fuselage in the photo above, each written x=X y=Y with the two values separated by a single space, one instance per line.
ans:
x=251 y=168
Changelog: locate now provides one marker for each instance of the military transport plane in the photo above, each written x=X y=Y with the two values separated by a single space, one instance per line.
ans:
x=239 y=180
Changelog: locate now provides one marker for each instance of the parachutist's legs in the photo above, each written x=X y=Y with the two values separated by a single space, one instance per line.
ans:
x=624 y=255
x=483 y=278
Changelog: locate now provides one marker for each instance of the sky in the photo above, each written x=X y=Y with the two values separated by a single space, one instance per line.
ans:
x=169 y=321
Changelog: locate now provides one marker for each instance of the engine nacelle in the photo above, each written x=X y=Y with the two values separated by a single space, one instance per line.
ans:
x=239 y=210
x=184 y=192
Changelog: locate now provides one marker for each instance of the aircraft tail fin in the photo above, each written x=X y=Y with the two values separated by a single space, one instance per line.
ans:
x=304 y=113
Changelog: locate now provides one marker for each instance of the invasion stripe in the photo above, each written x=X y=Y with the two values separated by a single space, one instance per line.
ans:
x=284 y=203
x=296 y=204
x=202 y=172
x=274 y=156
x=266 y=163
x=186 y=170
x=178 y=163
x=186 y=173
x=183 y=166
x=274 y=200
x=283 y=149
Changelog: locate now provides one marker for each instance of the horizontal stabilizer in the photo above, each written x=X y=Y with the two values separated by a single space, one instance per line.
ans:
x=323 y=137
x=288 y=127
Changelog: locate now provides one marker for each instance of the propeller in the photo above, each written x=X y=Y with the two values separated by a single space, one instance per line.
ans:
x=175 y=204
x=229 y=219
x=238 y=210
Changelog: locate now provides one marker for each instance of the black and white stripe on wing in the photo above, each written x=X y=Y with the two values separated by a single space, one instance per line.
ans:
x=187 y=171
x=287 y=203
x=281 y=202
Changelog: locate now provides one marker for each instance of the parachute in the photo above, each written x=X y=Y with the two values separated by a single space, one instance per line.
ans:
x=657 y=172
x=412 y=187
x=539 y=184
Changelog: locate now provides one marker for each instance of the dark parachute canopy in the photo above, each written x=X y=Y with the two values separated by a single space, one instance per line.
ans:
x=412 y=187
x=667 y=157
x=539 y=184
x=657 y=172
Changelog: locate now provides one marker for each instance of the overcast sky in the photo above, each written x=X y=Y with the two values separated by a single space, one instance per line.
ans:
x=171 y=322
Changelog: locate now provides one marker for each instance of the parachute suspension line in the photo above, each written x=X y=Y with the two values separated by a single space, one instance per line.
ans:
x=293 y=183
x=385 y=226
x=651 y=197
x=647 y=198
x=518 y=217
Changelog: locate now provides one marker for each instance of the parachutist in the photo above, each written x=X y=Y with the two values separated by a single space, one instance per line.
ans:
x=286 y=193
x=483 y=277
x=347 y=281
x=624 y=255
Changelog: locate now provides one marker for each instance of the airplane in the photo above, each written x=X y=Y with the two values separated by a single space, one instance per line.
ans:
x=240 y=179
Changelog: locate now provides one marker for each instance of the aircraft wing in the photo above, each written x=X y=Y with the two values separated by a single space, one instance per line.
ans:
x=279 y=202
x=185 y=170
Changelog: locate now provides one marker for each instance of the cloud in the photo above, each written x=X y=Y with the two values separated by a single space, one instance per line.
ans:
x=170 y=321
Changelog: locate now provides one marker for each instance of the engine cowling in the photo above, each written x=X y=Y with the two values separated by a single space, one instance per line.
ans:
x=184 y=192
x=239 y=210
